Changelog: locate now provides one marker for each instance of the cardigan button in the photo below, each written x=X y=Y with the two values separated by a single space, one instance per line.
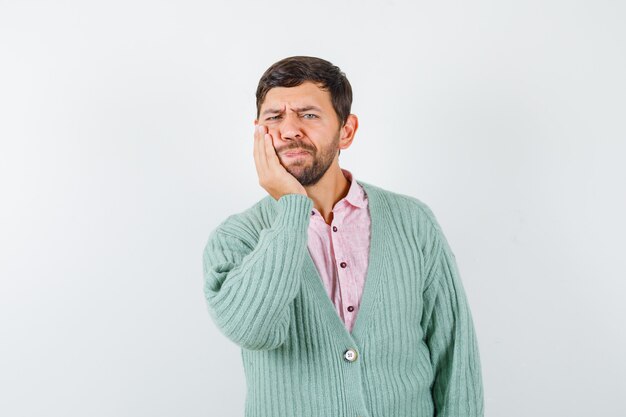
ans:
x=350 y=355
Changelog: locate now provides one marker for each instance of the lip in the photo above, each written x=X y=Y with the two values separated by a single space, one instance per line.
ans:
x=296 y=153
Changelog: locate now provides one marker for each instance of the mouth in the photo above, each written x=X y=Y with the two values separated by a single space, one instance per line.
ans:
x=299 y=152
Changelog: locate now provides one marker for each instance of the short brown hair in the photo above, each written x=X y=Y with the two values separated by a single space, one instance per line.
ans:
x=295 y=70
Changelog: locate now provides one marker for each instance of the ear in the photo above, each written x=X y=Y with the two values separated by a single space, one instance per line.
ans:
x=347 y=131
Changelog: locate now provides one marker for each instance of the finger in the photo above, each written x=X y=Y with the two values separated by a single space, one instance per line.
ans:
x=263 y=151
x=255 y=147
x=261 y=159
x=270 y=152
x=255 y=152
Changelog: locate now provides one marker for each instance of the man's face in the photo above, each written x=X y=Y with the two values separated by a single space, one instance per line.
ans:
x=305 y=129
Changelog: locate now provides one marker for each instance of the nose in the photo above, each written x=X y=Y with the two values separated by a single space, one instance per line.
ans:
x=290 y=127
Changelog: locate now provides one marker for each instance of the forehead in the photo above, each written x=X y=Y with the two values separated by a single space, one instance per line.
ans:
x=307 y=93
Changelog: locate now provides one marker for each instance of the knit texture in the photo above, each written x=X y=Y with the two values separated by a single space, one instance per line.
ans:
x=416 y=345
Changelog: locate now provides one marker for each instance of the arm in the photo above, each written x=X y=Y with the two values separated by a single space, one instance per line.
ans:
x=250 y=287
x=457 y=388
x=249 y=290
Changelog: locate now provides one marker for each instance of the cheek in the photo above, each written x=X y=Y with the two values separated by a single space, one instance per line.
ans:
x=275 y=134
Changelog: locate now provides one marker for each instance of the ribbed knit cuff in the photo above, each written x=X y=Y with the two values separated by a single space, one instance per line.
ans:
x=294 y=211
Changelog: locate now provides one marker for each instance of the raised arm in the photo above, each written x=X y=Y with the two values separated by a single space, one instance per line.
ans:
x=249 y=288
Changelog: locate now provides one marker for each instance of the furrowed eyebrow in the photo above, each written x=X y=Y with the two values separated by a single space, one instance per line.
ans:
x=298 y=110
x=307 y=108
x=271 y=111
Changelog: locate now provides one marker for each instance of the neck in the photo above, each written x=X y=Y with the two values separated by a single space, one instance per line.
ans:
x=331 y=188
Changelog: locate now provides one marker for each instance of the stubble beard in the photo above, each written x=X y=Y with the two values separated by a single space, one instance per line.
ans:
x=309 y=173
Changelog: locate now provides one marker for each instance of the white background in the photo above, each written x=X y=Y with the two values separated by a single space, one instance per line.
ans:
x=126 y=137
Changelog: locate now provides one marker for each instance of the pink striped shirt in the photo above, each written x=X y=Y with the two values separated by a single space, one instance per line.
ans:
x=340 y=250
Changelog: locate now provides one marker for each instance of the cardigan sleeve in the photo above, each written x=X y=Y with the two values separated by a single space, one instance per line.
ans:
x=457 y=389
x=249 y=289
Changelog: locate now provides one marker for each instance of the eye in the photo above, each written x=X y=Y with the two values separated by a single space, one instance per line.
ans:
x=313 y=116
x=273 y=118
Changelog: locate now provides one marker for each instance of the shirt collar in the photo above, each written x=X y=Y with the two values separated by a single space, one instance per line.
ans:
x=356 y=195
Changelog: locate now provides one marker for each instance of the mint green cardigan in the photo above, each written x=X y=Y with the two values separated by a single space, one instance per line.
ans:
x=412 y=351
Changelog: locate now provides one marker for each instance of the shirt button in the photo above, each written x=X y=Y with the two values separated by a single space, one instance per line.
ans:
x=334 y=228
x=312 y=212
x=350 y=309
x=350 y=355
x=343 y=264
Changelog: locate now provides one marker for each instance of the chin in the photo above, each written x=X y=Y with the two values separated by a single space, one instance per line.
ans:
x=295 y=165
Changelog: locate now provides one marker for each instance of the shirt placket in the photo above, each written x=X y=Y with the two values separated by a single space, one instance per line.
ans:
x=343 y=269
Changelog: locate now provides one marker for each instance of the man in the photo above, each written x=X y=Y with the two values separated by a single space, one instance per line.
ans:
x=344 y=297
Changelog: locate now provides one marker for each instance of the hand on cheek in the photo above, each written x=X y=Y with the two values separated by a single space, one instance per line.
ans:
x=273 y=177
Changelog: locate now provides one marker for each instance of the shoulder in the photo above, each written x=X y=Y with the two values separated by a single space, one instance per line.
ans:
x=248 y=223
x=403 y=206
x=408 y=216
